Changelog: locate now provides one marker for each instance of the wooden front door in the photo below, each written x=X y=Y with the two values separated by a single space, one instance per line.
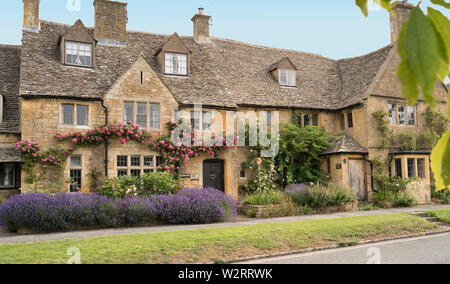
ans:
x=356 y=178
x=213 y=174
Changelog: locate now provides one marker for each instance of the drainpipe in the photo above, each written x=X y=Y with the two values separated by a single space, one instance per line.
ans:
x=106 y=140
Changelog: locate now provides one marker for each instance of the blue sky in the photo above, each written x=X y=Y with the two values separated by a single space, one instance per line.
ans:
x=333 y=28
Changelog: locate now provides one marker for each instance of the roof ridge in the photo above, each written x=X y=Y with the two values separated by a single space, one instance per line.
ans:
x=365 y=55
x=10 y=46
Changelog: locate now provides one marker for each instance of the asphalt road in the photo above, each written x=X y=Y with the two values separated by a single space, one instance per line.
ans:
x=423 y=250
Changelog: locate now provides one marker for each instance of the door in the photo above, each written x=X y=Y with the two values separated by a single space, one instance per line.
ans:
x=356 y=178
x=213 y=174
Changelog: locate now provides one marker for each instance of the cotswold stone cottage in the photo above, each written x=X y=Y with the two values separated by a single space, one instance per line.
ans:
x=74 y=78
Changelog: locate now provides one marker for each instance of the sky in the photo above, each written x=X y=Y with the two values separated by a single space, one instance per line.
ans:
x=332 y=28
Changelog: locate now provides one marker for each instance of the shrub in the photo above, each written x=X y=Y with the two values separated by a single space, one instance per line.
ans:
x=299 y=194
x=320 y=195
x=159 y=183
x=195 y=206
x=121 y=187
x=63 y=212
x=402 y=199
x=266 y=198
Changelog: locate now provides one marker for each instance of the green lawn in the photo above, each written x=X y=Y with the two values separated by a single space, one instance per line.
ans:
x=217 y=245
x=443 y=215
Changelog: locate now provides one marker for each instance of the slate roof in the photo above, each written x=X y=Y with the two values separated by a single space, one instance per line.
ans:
x=8 y=153
x=9 y=88
x=345 y=144
x=224 y=73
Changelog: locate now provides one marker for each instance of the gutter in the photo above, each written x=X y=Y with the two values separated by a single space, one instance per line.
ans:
x=106 y=140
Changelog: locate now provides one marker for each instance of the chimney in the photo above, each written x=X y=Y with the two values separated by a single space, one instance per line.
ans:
x=400 y=13
x=111 y=22
x=31 y=14
x=201 y=27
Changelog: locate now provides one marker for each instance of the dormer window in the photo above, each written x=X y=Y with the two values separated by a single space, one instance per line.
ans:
x=78 y=54
x=287 y=78
x=176 y=64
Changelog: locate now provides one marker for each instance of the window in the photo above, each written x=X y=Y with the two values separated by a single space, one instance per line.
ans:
x=342 y=121
x=80 y=116
x=411 y=168
x=141 y=115
x=299 y=117
x=154 y=116
x=287 y=78
x=269 y=118
x=176 y=63
x=411 y=115
x=79 y=54
x=135 y=165
x=315 y=119
x=398 y=168
x=393 y=113
x=402 y=115
x=195 y=119
x=207 y=120
x=75 y=173
x=306 y=120
x=67 y=114
x=328 y=166
x=350 y=119
x=128 y=112
x=7 y=175
x=421 y=168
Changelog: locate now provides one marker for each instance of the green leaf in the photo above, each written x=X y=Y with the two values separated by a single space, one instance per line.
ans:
x=409 y=82
x=422 y=52
x=441 y=3
x=440 y=162
x=448 y=104
x=386 y=4
x=442 y=26
x=362 y=4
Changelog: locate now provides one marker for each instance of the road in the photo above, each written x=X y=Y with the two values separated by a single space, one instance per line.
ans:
x=433 y=249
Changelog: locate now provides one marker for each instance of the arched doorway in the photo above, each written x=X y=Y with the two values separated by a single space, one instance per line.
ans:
x=214 y=174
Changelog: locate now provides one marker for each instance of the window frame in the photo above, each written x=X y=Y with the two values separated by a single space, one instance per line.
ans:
x=91 y=66
x=142 y=168
x=173 y=73
x=149 y=111
x=76 y=168
x=14 y=177
x=290 y=75
x=350 y=122
x=394 y=114
x=75 y=115
x=421 y=170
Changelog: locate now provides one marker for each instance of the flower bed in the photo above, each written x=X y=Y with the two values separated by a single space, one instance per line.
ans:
x=65 y=212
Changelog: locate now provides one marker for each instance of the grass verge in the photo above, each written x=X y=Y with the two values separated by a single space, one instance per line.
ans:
x=443 y=215
x=217 y=245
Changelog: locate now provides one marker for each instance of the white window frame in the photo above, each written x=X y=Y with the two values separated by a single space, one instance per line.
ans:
x=175 y=65
x=78 y=52
x=288 y=78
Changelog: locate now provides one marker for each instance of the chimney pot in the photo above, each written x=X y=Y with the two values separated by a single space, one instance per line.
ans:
x=201 y=11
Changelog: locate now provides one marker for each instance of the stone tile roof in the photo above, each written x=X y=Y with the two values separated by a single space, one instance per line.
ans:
x=9 y=87
x=345 y=144
x=8 y=153
x=225 y=73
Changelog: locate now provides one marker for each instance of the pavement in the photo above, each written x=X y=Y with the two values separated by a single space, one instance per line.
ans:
x=433 y=249
x=16 y=238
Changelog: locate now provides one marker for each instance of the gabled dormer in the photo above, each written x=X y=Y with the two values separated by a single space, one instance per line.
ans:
x=285 y=73
x=77 y=47
x=174 y=57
